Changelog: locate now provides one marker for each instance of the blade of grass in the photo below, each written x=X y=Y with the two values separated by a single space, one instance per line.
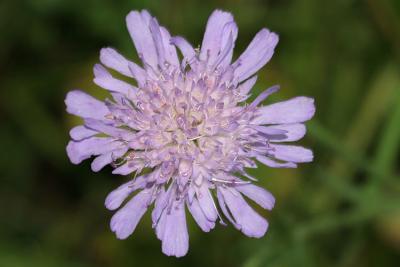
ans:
x=367 y=121
x=389 y=142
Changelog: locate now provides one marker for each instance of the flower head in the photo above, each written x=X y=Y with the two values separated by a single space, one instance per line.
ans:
x=183 y=133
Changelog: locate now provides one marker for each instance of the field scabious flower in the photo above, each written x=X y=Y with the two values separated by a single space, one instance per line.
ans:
x=183 y=132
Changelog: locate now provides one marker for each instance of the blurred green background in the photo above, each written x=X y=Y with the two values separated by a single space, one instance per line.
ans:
x=341 y=210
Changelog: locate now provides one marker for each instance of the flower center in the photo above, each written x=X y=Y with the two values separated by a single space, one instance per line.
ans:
x=181 y=119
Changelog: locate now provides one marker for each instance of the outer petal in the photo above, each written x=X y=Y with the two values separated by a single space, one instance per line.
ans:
x=99 y=162
x=292 y=153
x=126 y=168
x=206 y=202
x=114 y=60
x=185 y=47
x=140 y=33
x=273 y=164
x=117 y=196
x=108 y=82
x=248 y=221
x=211 y=45
x=261 y=97
x=246 y=86
x=79 y=151
x=257 y=54
x=297 y=109
x=270 y=131
x=293 y=132
x=160 y=204
x=139 y=73
x=158 y=42
x=175 y=239
x=160 y=227
x=102 y=127
x=198 y=215
x=259 y=195
x=81 y=132
x=170 y=51
x=85 y=106
x=229 y=35
x=124 y=222
x=161 y=37
x=224 y=208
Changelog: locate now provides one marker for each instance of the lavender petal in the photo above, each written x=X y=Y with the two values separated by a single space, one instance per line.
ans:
x=298 y=109
x=259 y=195
x=81 y=132
x=175 y=240
x=211 y=44
x=114 y=60
x=117 y=196
x=124 y=222
x=85 y=106
x=292 y=153
x=142 y=38
x=198 y=215
x=257 y=54
x=247 y=220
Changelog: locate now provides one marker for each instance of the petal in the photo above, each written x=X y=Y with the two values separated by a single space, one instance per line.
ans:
x=224 y=208
x=158 y=42
x=119 y=98
x=257 y=54
x=297 y=109
x=126 y=168
x=190 y=194
x=270 y=130
x=124 y=222
x=247 y=220
x=142 y=38
x=81 y=132
x=291 y=153
x=185 y=47
x=206 y=202
x=246 y=86
x=273 y=164
x=81 y=150
x=160 y=227
x=229 y=35
x=261 y=97
x=108 y=82
x=161 y=37
x=139 y=73
x=117 y=196
x=224 y=54
x=112 y=59
x=160 y=204
x=85 y=106
x=259 y=195
x=293 y=132
x=102 y=127
x=100 y=71
x=99 y=162
x=211 y=44
x=170 y=52
x=175 y=240
x=198 y=215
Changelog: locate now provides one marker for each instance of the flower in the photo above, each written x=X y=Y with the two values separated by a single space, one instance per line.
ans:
x=182 y=130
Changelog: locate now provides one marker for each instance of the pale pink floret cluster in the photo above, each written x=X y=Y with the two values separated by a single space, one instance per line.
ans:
x=181 y=131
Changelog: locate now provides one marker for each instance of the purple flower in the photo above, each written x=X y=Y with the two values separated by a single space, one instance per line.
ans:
x=182 y=130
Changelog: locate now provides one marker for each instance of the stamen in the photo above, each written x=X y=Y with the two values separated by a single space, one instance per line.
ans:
x=231 y=182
